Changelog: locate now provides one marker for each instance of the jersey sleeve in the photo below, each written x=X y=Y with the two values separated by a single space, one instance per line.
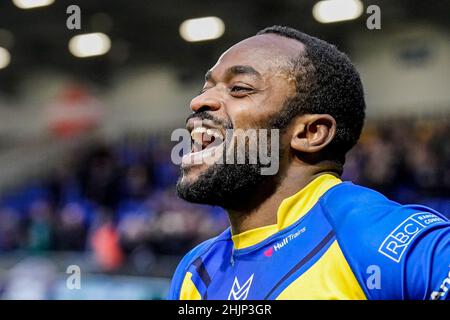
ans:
x=394 y=251
x=427 y=265
x=178 y=276
x=180 y=272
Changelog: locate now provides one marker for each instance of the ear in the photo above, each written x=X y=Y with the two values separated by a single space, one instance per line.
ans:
x=312 y=132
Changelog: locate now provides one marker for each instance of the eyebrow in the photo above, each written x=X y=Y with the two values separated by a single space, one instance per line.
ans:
x=234 y=71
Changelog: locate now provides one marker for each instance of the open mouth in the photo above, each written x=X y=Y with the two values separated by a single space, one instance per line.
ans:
x=203 y=138
x=206 y=142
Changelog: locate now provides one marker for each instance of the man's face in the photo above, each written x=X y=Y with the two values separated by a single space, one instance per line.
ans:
x=245 y=89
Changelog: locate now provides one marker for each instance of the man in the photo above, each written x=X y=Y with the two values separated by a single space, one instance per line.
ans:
x=301 y=233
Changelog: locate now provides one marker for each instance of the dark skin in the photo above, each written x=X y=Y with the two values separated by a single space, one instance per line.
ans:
x=249 y=84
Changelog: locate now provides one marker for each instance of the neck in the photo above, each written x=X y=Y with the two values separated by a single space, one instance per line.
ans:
x=266 y=213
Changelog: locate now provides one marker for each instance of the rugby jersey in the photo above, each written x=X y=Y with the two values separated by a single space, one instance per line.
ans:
x=332 y=240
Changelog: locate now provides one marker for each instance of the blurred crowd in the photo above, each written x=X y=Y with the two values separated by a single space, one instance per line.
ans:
x=408 y=160
x=115 y=200
x=118 y=201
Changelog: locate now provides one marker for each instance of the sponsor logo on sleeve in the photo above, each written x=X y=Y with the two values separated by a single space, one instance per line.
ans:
x=396 y=243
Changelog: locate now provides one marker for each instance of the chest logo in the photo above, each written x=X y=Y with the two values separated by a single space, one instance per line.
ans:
x=239 y=292
x=285 y=241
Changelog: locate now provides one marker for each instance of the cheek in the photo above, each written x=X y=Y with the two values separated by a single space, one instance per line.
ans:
x=251 y=112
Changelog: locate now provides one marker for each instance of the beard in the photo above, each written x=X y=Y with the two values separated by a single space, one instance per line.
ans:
x=236 y=187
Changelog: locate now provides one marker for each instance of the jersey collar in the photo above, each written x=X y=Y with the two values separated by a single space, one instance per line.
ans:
x=290 y=210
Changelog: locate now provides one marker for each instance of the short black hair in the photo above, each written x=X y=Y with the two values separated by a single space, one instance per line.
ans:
x=327 y=83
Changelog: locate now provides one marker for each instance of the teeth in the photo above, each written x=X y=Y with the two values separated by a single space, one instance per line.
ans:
x=199 y=130
x=196 y=134
x=214 y=133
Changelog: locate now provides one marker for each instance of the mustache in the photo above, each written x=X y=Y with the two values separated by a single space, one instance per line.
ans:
x=204 y=115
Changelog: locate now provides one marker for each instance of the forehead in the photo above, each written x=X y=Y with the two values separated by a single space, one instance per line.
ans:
x=267 y=53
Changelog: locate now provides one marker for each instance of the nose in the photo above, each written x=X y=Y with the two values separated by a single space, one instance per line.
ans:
x=205 y=102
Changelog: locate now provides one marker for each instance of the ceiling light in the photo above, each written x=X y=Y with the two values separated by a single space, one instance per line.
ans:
x=201 y=29
x=5 y=58
x=30 y=4
x=90 y=44
x=337 y=10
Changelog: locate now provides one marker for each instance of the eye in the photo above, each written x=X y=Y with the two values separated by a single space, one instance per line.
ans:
x=240 y=89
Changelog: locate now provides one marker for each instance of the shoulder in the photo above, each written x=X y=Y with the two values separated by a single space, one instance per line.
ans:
x=188 y=260
x=365 y=210
x=196 y=252
x=377 y=234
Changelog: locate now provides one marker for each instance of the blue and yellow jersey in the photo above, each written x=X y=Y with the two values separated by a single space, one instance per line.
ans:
x=332 y=240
